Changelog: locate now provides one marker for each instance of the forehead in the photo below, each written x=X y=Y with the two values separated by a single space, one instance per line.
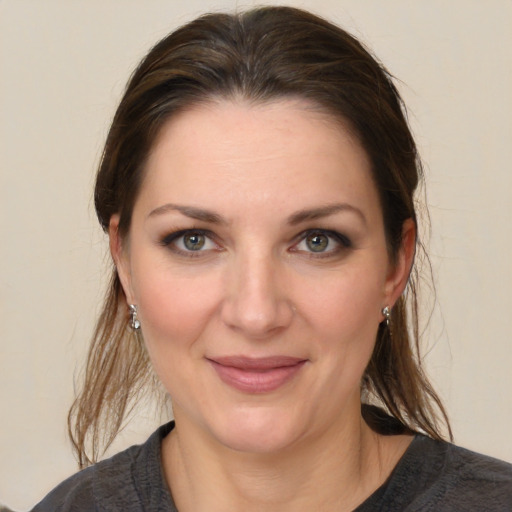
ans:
x=279 y=151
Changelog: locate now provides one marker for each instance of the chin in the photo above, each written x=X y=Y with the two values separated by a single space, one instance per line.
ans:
x=257 y=431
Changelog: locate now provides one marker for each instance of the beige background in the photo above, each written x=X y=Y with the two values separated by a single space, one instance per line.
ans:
x=63 y=65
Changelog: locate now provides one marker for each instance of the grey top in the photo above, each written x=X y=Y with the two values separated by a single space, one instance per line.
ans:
x=431 y=476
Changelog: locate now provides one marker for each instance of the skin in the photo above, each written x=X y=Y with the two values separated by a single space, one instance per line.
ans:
x=258 y=288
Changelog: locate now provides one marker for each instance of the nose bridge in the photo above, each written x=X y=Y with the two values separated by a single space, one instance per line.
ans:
x=256 y=303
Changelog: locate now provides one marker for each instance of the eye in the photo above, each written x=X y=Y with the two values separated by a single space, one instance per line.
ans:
x=321 y=242
x=193 y=241
x=317 y=242
x=189 y=241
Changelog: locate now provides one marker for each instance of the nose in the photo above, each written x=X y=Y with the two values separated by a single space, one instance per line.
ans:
x=257 y=302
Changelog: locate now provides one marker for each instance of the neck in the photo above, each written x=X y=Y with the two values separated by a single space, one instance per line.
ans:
x=335 y=471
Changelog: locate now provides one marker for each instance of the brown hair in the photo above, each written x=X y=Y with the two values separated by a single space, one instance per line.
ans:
x=260 y=55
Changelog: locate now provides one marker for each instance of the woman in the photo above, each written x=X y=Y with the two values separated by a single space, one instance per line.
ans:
x=257 y=187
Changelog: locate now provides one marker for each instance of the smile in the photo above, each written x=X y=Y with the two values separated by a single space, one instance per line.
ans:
x=256 y=375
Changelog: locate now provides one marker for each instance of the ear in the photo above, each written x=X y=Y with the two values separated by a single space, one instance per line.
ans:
x=400 y=270
x=121 y=257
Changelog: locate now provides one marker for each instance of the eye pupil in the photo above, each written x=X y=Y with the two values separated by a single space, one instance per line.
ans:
x=317 y=242
x=194 y=241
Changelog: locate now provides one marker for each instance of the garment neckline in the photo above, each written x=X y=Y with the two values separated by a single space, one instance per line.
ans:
x=400 y=470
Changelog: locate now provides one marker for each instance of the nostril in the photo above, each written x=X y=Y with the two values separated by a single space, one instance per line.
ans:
x=256 y=301
x=258 y=318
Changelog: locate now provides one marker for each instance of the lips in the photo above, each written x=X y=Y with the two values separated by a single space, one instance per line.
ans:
x=256 y=375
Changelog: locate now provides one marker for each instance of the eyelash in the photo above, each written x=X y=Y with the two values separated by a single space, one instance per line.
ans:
x=341 y=240
x=171 y=239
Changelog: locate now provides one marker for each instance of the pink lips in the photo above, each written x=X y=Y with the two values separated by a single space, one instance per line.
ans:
x=256 y=375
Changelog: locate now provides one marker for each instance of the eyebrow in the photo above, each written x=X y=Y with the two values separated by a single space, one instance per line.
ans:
x=294 y=219
x=324 y=211
x=189 y=211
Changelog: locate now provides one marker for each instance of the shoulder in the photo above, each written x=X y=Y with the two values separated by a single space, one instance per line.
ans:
x=464 y=464
x=479 y=476
x=75 y=493
x=442 y=476
x=120 y=483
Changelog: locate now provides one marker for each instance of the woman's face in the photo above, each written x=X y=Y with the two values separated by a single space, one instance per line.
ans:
x=258 y=262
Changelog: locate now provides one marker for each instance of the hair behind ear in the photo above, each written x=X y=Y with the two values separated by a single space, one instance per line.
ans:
x=117 y=373
x=394 y=377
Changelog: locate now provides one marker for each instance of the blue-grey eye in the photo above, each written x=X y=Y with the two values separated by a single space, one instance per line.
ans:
x=194 y=241
x=189 y=242
x=317 y=242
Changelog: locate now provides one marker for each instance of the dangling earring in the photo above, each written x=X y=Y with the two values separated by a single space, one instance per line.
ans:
x=387 y=315
x=134 y=321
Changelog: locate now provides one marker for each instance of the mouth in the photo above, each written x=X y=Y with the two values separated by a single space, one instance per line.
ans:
x=256 y=375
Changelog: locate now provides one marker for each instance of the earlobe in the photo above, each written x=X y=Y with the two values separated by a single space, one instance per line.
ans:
x=120 y=257
x=399 y=275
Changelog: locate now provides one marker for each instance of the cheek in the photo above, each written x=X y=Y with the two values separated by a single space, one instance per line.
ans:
x=344 y=314
x=173 y=309
x=348 y=303
x=174 y=313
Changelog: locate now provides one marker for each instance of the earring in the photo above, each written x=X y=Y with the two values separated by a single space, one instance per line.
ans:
x=386 y=311
x=134 y=321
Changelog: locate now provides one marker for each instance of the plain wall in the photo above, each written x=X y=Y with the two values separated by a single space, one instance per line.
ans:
x=63 y=66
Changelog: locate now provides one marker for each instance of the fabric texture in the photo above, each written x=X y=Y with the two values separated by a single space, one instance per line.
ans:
x=131 y=481
x=432 y=476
